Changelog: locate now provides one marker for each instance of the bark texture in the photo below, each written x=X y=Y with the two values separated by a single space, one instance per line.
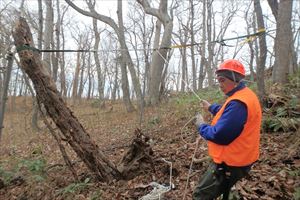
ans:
x=262 y=51
x=283 y=43
x=73 y=132
x=5 y=90
x=56 y=108
x=159 y=57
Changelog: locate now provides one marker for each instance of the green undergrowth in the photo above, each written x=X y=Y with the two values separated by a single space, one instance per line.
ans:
x=74 y=188
x=188 y=104
x=30 y=169
x=282 y=107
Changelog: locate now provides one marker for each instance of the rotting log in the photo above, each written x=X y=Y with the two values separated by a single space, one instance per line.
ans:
x=139 y=153
x=48 y=95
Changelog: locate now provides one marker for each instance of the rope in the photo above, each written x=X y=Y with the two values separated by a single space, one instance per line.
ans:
x=181 y=130
x=170 y=180
x=249 y=37
x=158 y=189
x=27 y=47
x=181 y=78
x=190 y=169
x=157 y=192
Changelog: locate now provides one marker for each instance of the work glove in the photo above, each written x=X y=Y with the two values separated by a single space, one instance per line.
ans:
x=199 y=120
x=205 y=104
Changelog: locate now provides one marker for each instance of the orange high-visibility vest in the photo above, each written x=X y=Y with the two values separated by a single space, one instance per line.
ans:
x=244 y=150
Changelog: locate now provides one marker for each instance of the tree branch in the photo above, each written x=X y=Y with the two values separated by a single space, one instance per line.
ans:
x=149 y=10
x=94 y=14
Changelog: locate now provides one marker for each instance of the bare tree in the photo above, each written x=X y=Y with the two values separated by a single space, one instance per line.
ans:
x=41 y=24
x=140 y=34
x=89 y=76
x=100 y=74
x=48 y=37
x=72 y=131
x=202 y=48
x=76 y=73
x=160 y=55
x=5 y=90
x=211 y=52
x=13 y=93
x=142 y=31
x=47 y=94
x=297 y=35
x=124 y=59
x=274 y=7
x=82 y=74
x=192 y=33
x=35 y=109
x=260 y=71
x=63 y=84
x=284 y=50
x=250 y=24
x=183 y=38
x=57 y=30
x=115 y=83
x=209 y=67
x=119 y=30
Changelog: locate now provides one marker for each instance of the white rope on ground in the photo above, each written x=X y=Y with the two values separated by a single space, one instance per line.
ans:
x=190 y=169
x=157 y=192
x=170 y=180
x=158 y=189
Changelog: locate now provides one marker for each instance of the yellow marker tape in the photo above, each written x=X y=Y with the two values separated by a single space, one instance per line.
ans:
x=251 y=38
x=261 y=30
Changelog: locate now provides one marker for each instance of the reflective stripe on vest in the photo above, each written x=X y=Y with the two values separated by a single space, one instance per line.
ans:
x=244 y=150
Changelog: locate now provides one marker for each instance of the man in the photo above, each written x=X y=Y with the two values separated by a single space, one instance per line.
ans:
x=233 y=135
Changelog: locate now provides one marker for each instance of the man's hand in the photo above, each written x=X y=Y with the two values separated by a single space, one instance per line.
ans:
x=199 y=120
x=205 y=104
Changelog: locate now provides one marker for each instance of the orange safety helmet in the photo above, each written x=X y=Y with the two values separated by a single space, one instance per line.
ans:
x=232 y=65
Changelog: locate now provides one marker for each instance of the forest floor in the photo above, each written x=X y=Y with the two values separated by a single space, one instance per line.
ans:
x=31 y=165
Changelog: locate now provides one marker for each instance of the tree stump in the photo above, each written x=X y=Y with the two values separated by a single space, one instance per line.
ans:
x=137 y=156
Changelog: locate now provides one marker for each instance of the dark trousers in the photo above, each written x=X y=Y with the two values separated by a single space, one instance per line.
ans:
x=218 y=180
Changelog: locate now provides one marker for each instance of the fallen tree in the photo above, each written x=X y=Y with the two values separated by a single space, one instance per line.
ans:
x=72 y=130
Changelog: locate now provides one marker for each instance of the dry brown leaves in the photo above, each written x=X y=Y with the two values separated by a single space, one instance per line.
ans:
x=275 y=176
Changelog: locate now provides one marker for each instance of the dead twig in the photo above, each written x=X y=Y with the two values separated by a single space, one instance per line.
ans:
x=201 y=160
x=61 y=146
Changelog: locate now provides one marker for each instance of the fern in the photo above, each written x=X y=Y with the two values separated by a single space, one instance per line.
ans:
x=75 y=187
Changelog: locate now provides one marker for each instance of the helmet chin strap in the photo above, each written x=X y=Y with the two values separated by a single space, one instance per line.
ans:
x=234 y=79
x=233 y=75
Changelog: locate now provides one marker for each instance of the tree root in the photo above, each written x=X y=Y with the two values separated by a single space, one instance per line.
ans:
x=137 y=158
